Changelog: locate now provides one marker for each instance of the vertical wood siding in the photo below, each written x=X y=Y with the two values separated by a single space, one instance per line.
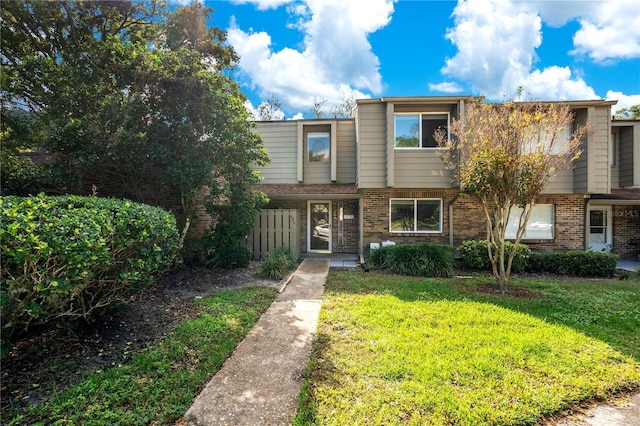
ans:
x=626 y=155
x=275 y=228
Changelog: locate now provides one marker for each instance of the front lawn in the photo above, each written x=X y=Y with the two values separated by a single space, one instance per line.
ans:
x=398 y=350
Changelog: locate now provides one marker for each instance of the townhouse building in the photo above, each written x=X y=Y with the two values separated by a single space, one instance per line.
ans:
x=367 y=179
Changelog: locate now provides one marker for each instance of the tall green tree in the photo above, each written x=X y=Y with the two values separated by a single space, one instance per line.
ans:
x=631 y=113
x=504 y=155
x=134 y=99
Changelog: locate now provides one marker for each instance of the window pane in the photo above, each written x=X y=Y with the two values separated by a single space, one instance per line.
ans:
x=318 y=145
x=407 y=131
x=431 y=123
x=428 y=216
x=402 y=215
x=539 y=227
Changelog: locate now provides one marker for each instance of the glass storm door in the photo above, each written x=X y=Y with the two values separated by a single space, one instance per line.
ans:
x=599 y=228
x=319 y=232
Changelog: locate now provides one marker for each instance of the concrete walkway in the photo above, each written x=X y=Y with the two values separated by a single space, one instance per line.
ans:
x=260 y=383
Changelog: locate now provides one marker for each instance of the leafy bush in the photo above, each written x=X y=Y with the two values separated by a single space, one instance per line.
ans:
x=574 y=263
x=67 y=258
x=376 y=257
x=233 y=220
x=475 y=255
x=231 y=256
x=278 y=263
x=425 y=260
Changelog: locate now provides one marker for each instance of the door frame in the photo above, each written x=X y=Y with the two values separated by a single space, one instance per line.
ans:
x=608 y=215
x=310 y=226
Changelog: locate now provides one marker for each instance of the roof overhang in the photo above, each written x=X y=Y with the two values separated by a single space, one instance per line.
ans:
x=620 y=197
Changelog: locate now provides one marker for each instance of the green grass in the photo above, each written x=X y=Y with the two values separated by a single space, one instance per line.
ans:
x=159 y=384
x=398 y=350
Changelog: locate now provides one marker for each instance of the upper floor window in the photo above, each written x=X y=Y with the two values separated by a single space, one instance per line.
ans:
x=318 y=147
x=543 y=140
x=416 y=130
x=415 y=215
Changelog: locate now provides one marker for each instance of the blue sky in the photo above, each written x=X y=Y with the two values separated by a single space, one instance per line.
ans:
x=295 y=50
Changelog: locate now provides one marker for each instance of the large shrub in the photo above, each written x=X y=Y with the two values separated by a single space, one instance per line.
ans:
x=475 y=255
x=66 y=258
x=426 y=260
x=575 y=263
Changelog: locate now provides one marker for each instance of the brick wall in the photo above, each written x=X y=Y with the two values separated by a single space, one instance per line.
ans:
x=469 y=219
x=376 y=215
x=626 y=231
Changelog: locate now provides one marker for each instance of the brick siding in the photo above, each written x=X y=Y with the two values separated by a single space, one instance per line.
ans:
x=626 y=231
x=468 y=219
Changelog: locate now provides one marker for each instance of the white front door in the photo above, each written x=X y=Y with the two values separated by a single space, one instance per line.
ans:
x=599 y=228
x=319 y=229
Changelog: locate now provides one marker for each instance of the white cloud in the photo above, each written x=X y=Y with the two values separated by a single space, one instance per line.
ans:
x=497 y=41
x=263 y=4
x=445 y=87
x=326 y=65
x=556 y=83
x=624 y=101
x=496 y=44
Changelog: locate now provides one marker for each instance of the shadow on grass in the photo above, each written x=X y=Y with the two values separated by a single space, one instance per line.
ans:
x=606 y=310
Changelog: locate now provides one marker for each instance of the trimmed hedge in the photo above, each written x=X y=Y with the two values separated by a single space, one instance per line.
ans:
x=575 y=263
x=67 y=258
x=425 y=260
x=475 y=255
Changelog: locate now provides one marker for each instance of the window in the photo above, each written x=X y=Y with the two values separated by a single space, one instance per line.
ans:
x=416 y=130
x=543 y=140
x=318 y=147
x=411 y=215
x=539 y=227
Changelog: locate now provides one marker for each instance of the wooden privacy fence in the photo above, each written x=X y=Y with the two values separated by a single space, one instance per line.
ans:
x=275 y=228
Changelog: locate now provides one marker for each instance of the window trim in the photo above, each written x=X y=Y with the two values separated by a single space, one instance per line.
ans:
x=415 y=212
x=420 y=115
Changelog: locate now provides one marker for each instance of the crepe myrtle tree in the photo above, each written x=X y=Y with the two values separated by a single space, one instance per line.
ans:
x=504 y=155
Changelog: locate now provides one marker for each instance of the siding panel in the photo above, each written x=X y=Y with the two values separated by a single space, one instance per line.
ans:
x=371 y=150
x=280 y=140
x=420 y=168
x=346 y=160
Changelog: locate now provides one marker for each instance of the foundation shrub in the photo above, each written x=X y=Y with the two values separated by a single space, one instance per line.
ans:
x=574 y=263
x=278 y=264
x=475 y=255
x=425 y=260
x=67 y=258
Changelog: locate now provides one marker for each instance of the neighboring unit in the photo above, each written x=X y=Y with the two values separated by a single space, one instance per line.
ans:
x=378 y=176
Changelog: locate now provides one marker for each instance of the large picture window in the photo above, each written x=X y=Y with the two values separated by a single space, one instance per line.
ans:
x=539 y=227
x=318 y=147
x=416 y=130
x=415 y=215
